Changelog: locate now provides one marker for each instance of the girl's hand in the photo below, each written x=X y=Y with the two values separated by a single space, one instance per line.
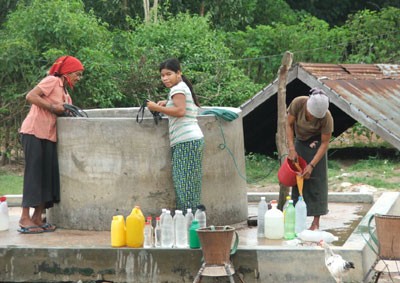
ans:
x=152 y=106
x=162 y=103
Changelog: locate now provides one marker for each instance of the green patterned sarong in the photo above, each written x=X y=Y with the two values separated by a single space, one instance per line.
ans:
x=187 y=173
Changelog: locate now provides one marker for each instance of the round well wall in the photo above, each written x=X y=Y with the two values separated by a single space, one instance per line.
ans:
x=109 y=163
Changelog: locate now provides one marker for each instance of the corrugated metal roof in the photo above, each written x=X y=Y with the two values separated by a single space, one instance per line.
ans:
x=372 y=92
x=368 y=93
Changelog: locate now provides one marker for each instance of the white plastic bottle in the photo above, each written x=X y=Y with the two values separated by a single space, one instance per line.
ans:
x=200 y=216
x=167 y=231
x=163 y=212
x=188 y=220
x=157 y=233
x=262 y=209
x=274 y=228
x=4 y=217
x=148 y=233
x=180 y=230
x=301 y=215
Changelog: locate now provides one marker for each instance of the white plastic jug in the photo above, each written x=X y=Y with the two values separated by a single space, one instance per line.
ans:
x=4 y=218
x=273 y=222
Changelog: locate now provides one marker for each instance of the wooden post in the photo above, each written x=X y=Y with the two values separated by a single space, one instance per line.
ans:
x=281 y=127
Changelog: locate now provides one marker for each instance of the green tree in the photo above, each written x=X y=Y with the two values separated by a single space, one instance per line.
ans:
x=32 y=38
x=374 y=36
x=311 y=40
x=204 y=58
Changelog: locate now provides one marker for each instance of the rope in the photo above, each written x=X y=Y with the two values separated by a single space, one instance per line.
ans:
x=229 y=116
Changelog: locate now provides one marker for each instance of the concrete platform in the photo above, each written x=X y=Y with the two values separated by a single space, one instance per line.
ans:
x=73 y=255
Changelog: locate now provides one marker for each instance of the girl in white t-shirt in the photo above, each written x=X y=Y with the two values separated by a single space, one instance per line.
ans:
x=186 y=137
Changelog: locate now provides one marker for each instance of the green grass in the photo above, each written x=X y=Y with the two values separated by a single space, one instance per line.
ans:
x=10 y=183
x=262 y=171
x=379 y=173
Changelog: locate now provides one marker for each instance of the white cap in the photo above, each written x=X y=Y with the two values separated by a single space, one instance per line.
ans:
x=317 y=103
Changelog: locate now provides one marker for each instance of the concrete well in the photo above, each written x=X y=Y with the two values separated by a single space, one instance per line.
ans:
x=109 y=163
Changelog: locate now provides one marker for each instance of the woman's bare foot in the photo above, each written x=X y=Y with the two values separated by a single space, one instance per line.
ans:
x=29 y=225
x=315 y=224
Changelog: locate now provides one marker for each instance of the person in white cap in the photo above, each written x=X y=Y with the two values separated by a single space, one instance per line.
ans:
x=309 y=127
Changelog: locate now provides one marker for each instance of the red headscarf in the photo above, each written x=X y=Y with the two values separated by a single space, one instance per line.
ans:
x=66 y=65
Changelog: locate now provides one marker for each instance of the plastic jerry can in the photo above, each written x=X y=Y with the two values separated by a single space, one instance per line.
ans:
x=118 y=231
x=135 y=228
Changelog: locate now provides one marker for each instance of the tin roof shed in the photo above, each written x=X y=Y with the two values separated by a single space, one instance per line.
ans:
x=367 y=93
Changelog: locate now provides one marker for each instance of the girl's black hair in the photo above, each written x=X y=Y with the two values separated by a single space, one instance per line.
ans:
x=174 y=65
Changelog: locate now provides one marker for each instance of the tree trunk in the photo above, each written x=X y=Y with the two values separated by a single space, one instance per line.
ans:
x=281 y=127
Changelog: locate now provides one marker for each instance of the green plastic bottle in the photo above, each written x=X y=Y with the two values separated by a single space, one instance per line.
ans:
x=194 y=241
x=290 y=218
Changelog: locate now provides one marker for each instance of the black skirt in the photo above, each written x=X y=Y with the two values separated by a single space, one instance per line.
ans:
x=315 y=189
x=41 y=176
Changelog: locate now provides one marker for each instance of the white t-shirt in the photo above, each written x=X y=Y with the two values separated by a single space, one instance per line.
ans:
x=186 y=128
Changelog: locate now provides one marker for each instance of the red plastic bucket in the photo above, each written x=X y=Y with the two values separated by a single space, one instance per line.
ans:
x=288 y=171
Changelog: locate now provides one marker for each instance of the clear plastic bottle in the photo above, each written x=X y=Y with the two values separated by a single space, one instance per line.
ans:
x=163 y=212
x=200 y=216
x=286 y=205
x=188 y=220
x=301 y=215
x=262 y=209
x=273 y=218
x=148 y=233
x=180 y=230
x=167 y=231
x=4 y=216
x=157 y=233
x=290 y=218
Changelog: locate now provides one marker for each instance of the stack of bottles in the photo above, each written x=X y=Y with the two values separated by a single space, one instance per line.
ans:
x=275 y=224
x=178 y=231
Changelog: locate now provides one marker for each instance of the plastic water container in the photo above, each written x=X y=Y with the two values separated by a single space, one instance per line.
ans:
x=262 y=209
x=188 y=220
x=163 y=212
x=301 y=215
x=200 y=216
x=289 y=223
x=286 y=205
x=167 y=231
x=4 y=217
x=157 y=233
x=118 y=231
x=180 y=230
x=148 y=233
x=135 y=228
x=273 y=218
x=194 y=241
x=317 y=236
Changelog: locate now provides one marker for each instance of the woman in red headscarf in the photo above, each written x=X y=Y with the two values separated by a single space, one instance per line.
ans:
x=38 y=137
